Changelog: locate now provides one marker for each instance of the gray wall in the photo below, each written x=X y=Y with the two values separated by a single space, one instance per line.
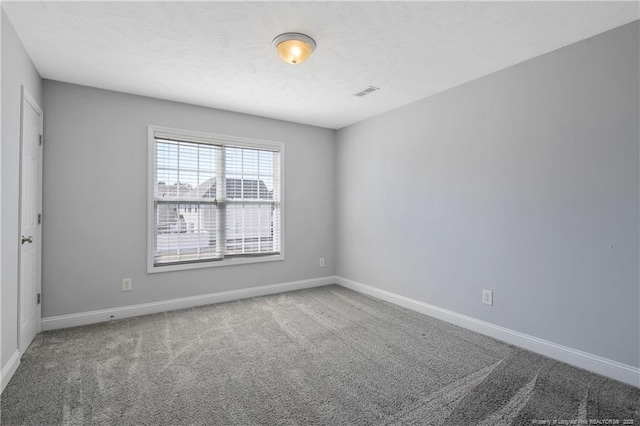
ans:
x=95 y=200
x=17 y=70
x=524 y=182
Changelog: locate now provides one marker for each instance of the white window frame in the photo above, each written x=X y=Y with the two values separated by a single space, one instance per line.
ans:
x=223 y=140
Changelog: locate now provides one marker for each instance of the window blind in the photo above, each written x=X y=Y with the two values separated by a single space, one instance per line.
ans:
x=213 y=200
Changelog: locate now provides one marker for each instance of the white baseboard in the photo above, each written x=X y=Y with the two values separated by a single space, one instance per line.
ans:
x=9 y=369
x=594 y=363
x=84 y=318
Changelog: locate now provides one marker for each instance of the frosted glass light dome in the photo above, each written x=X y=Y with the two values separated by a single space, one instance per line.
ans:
x=294 y=48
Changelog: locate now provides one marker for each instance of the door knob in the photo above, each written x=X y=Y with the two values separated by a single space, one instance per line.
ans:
x=27 y=239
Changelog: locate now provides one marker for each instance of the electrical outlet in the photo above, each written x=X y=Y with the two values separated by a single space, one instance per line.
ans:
x=321 y=262
x=487 y=297
x=127 y=284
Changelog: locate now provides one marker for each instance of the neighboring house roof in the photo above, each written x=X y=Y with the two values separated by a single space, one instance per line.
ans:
x=170 y=191
x=236 y=188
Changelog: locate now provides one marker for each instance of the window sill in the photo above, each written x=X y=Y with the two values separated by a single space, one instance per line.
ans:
x=151 y=269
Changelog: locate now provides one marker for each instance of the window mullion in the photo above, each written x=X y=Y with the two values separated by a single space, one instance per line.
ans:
x=221 y=197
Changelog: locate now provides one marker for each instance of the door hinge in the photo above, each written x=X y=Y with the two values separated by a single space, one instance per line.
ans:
x=38 y=299
x=39 y=218
x=40 y=140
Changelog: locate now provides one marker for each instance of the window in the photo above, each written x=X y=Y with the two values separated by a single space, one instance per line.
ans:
x=213 y=200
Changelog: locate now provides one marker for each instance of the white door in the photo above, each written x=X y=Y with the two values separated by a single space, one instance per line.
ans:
x=30 y=220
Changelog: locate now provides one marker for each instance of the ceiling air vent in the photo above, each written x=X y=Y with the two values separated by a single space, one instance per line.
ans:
x=366 y=91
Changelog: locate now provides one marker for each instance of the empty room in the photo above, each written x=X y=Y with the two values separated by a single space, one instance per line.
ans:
x=320 y=213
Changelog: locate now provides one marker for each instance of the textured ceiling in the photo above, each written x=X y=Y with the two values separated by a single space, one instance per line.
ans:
x=219 y=54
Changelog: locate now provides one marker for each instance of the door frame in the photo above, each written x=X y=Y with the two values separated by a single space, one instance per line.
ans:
x=27 y=100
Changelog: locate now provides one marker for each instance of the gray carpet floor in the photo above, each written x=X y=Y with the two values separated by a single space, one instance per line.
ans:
x=323 y=356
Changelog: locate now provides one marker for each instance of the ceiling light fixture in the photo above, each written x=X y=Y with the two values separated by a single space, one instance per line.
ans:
x=294 y=48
